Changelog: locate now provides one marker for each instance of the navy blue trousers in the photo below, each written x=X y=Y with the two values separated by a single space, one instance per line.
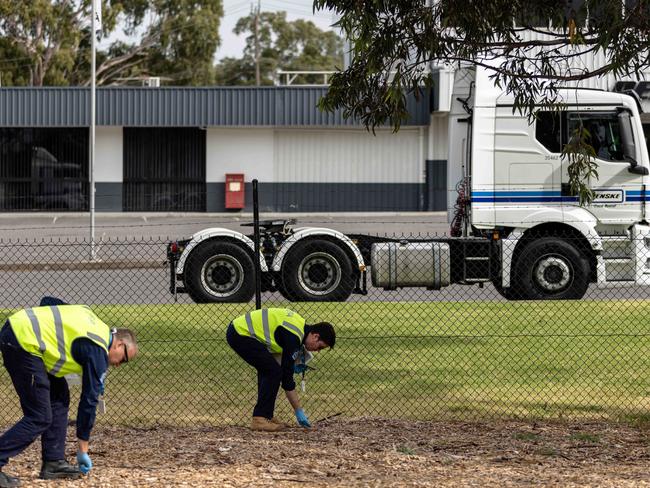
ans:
x=269 y=372
x=44 y=399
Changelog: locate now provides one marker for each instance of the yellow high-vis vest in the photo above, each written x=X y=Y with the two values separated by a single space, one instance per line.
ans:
x=48 y=332
x=262 y=324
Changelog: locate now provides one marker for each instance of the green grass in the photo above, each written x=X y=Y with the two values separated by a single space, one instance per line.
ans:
x=409 y=451
x=415 y=360
x=584 y=437
x=526 y=436
x=546 y=451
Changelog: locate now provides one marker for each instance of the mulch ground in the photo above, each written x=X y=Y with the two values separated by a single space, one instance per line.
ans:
x=364 y=452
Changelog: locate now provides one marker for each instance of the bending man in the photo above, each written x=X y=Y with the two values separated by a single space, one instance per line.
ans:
x=39 y=346
x=256 y=337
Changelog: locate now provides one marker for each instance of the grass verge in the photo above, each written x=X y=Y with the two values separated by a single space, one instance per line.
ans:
x=412 y=360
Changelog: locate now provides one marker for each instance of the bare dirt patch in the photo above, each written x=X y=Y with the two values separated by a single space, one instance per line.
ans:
x=364 y=452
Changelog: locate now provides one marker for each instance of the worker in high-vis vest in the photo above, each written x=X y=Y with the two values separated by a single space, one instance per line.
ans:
x=40 y=346
x=260 y=337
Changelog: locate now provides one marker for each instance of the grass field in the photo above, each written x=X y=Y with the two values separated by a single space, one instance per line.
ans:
x=410 y=360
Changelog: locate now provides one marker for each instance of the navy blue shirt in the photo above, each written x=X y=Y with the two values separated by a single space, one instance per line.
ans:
x=291 y=345
x=94 y=362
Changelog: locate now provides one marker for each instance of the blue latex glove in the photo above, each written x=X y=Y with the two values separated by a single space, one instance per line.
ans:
x=302 y=418
x=84 y=462
x=299 y=368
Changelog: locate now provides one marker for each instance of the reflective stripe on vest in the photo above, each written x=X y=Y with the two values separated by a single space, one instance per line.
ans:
x=60 y=341
x=48 y=332
x=36 y=328
x=262 y=324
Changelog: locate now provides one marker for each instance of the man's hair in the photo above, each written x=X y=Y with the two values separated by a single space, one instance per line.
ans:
x=127 y=336
x=326 y=332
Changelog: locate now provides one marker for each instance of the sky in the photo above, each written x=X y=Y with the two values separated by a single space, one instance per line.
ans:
x=232 y=45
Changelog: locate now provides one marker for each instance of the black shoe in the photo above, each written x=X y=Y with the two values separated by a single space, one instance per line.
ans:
x=59 y=470
x=7 y=481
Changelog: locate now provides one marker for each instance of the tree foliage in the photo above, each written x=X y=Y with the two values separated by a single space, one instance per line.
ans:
x=297 y=45
x=531 y=47
x=47 y=42
x=393 y=43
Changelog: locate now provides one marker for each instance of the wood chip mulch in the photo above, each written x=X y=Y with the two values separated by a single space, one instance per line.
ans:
x=363 y=452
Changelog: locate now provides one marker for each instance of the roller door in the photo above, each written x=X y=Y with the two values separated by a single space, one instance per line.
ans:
x=164 y=169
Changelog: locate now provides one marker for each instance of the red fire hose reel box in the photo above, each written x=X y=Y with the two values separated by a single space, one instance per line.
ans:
x=235 y=190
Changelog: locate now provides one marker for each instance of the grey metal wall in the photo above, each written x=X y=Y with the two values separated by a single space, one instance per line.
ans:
x=347 y=156
x=179 y=107
x=326 y=197
x=108 y=196
x=436 y=185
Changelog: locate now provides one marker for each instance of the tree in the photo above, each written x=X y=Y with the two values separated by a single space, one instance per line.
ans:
x=288 y=45
x=47 y=42
x=394 y=42
x=186 y=38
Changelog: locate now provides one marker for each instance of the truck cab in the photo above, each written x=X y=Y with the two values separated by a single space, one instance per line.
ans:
x=517 y=176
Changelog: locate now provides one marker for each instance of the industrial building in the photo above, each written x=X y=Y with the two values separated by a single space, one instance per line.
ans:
x=170 y=149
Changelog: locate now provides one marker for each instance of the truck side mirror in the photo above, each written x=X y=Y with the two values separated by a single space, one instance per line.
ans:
x=638 y=170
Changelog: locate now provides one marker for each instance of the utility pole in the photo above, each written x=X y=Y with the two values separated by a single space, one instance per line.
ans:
x=257 y=44
x=95 y=26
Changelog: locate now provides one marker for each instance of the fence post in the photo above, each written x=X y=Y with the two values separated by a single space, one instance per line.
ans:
x=256 y=260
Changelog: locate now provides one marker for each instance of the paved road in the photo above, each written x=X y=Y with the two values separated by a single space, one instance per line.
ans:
x=134 y=239
x=165 y=226
x=151 y=287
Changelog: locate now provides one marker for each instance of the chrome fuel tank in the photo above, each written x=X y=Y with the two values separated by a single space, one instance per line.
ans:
x=404 y=264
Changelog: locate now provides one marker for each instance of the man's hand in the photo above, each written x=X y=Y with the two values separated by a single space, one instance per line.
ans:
x=302 y=418
x=84 y=462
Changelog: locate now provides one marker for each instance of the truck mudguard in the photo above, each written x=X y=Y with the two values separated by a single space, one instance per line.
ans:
x=578 y=218
x=211 y=233
x=303 y=232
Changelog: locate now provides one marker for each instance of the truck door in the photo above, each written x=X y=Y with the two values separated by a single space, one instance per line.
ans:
x=617 y=189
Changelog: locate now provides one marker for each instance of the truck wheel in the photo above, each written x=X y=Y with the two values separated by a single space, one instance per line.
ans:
x=219 y=272
x=317 y=271
x=549 y=268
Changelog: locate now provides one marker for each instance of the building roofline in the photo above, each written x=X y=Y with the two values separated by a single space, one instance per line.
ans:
x=231 y=106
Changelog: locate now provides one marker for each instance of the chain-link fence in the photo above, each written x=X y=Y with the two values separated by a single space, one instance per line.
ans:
x=480 y=336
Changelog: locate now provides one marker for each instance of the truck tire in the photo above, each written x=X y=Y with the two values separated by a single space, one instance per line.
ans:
x=317 y=270
x=511 y=293
x=219 y=272
x=549 y=268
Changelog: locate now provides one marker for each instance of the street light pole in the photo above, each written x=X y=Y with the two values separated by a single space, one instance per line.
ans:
x=91 y=191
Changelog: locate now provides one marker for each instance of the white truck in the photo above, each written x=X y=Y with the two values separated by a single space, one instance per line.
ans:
x=516 y=224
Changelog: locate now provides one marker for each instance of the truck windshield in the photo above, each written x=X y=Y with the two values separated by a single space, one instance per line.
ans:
x=604 y=133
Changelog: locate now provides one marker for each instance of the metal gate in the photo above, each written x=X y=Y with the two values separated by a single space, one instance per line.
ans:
x=164 y=169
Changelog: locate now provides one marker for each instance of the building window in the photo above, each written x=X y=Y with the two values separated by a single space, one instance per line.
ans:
x=43 y=169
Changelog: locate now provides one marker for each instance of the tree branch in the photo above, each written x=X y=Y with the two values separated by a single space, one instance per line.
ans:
x=110 y=63
x=108 y=74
